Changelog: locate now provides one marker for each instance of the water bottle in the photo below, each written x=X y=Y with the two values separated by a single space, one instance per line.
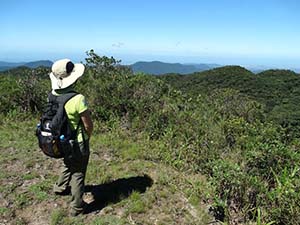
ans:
x=62 y=138
x=38 y=129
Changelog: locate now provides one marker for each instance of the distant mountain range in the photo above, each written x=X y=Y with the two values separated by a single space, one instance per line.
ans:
x=159 y=68
x=154 y=67
x=34 y=64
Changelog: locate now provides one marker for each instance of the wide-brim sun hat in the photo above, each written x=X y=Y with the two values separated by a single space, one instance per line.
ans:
x=65 y=73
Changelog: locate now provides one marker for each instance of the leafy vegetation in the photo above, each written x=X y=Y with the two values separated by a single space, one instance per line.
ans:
x=277 y=90
x=223 y=124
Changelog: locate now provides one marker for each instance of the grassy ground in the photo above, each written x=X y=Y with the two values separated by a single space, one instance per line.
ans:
x=123 y=186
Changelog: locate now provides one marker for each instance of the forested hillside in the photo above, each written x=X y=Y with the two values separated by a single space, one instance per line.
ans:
x=6 y=65
x=277 y=90
x=216 y=126
x=158 y=68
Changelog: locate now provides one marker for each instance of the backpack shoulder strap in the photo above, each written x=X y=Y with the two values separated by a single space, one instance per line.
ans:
x=60 y=117
x=51 y=97
x=64 y=98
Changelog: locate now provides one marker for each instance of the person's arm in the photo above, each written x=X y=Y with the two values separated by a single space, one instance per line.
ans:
x=87 y=122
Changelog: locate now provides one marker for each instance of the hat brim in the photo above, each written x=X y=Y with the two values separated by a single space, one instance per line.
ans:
x=67 y=81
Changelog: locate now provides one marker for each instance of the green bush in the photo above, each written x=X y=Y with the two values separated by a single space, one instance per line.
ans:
x=8 y=92
x=24 y=90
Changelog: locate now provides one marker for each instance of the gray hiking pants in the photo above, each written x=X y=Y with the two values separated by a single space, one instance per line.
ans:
x=73 y=174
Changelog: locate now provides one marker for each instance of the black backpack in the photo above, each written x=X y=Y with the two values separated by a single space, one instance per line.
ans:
x=54 y=132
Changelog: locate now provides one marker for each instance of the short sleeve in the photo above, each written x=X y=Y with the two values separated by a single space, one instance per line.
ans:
x=81 y=105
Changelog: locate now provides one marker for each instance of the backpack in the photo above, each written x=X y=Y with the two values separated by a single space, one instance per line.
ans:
x=54 y=132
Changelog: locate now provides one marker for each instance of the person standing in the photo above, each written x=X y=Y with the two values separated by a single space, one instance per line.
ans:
x=63 y=78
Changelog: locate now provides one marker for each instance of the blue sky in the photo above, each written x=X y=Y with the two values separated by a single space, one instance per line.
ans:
x=244 y=32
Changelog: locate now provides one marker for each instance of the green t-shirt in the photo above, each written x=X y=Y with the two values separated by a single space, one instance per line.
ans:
x=74 y=107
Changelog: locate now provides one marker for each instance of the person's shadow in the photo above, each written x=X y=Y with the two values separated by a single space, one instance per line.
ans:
x=115 y=191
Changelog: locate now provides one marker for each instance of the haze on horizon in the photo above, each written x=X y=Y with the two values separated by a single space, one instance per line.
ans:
x=249 y=32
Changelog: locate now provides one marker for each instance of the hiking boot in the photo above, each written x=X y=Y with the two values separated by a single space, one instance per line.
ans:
x=74 y=212
x=67 y=191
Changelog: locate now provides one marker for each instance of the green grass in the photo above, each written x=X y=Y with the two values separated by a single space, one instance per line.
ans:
x=3 y=210
x=19 y=134
x=20 y=221
x=114 y=155
x=22 y=200
x=60 y=217
x=57 y=217
x=30 y=176
x=119 y=144
x=39 y=192
x=109 y=220
x=136 y=203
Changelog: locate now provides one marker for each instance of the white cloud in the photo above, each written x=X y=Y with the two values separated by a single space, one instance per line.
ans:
x=118 y=45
